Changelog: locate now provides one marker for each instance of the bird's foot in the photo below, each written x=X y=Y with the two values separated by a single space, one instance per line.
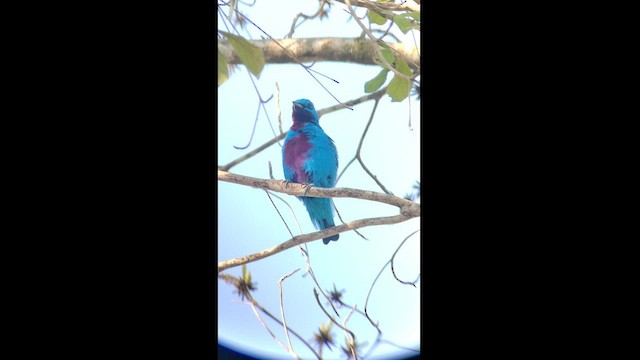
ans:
x=307 y=186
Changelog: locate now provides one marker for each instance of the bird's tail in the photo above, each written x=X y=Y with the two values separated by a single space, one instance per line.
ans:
x=321 y=214
x=331 y=238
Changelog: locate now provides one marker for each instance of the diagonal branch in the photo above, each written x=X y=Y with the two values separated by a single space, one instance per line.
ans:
x=264 y=325
x=301 y=239
x=252 y=152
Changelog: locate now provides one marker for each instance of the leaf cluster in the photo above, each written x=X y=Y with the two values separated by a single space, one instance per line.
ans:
x=399 y=87
x=250 y=55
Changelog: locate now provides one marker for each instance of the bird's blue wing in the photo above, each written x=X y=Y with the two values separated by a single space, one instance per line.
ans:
x=322 y=164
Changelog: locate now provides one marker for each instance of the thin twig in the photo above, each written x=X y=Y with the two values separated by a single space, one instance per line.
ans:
x=359 y=149
x=278 y=211
x=305 y=255
x=294 y=58
x=376 y=279
x=380 y=334
x=315 y=293
x=376 y=325
x=342 y=221
x=345 y=168
x=349 y=306
x=295 y=218
x=284 y=321
x=253 y=131
x=353 y=340
x=305 y=18
x=252 y=153
x=376 y=95
x=261 y=105
x=313 y=276
x=409 y=107
x=265 y=325
x=386 y=32
x=222 y=17
x=234 y=281
x=359 y=154
x=278 y=110
x=394 y=255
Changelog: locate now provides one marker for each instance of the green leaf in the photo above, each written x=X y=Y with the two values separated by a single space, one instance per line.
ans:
x=223 y=69
x=250 y=55
x=398 y=88
x=403 y=23
x=402 y=67
x=375 y=83
x=414 y=15
x=376 y=18
x=388 y=54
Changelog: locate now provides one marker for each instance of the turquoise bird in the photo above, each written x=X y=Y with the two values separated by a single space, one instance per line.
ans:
x=309 y=156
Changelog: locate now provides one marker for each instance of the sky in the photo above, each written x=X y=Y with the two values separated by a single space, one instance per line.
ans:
x=248 y=222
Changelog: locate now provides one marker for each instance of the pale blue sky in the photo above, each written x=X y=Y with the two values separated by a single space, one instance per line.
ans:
x=248 y=223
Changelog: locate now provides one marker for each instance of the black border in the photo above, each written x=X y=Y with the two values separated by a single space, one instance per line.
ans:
x=122 y=155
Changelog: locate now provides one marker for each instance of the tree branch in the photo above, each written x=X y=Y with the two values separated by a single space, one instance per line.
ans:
x=353 y=50
x=301 y=239
x=407 y=207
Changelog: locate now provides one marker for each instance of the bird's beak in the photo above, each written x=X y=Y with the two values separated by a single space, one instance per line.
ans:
x=298 y=105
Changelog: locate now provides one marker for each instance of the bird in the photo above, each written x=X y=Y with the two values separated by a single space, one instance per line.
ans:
x=309 y=156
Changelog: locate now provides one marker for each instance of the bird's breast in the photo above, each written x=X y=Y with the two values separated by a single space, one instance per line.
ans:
x=295 y=153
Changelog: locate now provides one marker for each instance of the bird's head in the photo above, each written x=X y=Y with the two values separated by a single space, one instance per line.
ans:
x=303 y=111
